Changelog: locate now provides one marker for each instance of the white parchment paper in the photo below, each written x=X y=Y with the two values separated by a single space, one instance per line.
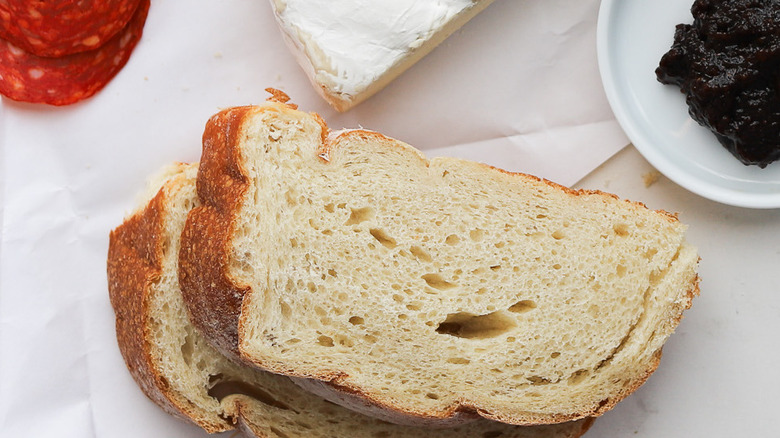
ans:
x=517 y=87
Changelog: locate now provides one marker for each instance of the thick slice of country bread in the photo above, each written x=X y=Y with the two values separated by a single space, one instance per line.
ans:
x=352 y=49
x=177 y=368
x=424 y=291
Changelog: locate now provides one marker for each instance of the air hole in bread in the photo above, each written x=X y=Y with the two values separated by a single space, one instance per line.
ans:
x=437 y=282
x=477 y=234
x=360 y=215
x=558 y=235
x=325 y=341
x=452 y=239
x=555 y=354
x=656 y=276
x=382 y=237
x=187 y=348
x=356 y=320
x=343 y=340
x=621 y=270
x=470 y=326
x=459 y=361
x=432 y=396
x=538 y=380
x=522 y=306
x=330 y=208
x=577 y=377
x=285 y=309
x=421 y=254
x=621 y=229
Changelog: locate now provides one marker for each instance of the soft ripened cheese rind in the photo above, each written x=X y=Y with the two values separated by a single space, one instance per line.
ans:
x=425 y=289
x=350 y=49
x=185 y=376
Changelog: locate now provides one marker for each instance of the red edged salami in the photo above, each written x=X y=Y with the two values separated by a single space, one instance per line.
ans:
x=67 y=79
x=61 y=27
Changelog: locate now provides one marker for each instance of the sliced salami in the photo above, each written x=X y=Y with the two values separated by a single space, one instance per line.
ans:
x=61 y=27
x=67 y=79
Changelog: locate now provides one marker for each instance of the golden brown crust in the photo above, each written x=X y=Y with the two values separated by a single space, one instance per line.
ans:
x=134 y=262
x=281 y=97
x=212 y=297
x=135 y=257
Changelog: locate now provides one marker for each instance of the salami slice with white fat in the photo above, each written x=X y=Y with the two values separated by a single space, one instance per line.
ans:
x=68 y=79
x=56 y=28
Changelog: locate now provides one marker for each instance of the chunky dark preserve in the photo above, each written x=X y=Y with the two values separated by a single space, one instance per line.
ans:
x=728 y=65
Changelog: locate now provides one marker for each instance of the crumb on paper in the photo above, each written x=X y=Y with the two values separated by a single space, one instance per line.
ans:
x=146 y=78
x=218 y=55
x=651 y=177
x=278 y=77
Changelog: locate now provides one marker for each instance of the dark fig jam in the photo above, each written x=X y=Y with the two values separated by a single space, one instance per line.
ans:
x=728 y=65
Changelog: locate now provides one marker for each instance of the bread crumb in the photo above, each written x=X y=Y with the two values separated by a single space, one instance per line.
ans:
x=651 y=178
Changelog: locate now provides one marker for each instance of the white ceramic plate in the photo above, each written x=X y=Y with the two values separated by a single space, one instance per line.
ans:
x=632 y=37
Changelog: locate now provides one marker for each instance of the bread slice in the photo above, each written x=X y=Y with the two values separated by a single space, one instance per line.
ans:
x=177 y=368
x=352 y=49
x=424 y=291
